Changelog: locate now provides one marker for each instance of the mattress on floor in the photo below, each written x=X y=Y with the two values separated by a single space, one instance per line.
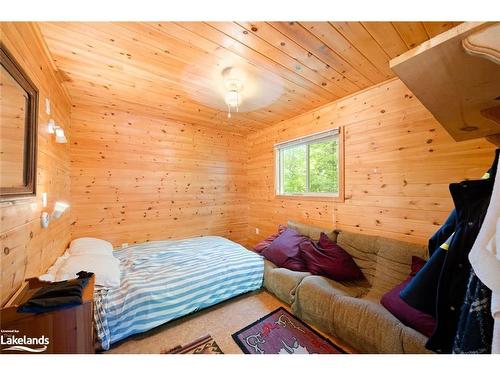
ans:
x=165 y=280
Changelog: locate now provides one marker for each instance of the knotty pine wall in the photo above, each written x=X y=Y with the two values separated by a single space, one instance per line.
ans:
x=136 y=178
x=398 y=164
x=26 y=249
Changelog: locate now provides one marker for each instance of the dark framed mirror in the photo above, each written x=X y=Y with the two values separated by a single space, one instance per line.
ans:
x=18 y=130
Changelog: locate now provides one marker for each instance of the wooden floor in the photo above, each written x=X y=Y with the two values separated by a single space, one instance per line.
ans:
x=219 y=321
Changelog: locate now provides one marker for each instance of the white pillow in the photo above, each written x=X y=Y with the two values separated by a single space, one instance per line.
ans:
x=89 y=245
x=52 y=271
x=106 y=269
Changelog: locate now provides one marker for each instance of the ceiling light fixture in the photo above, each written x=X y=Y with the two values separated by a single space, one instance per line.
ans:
x=234 y=86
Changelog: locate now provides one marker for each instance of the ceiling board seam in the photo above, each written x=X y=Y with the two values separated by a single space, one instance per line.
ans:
x=376 y=41
x=332 y=82
x=360 y=52
x=317 y=57
x=338 y=54
x=357 y=49
x=333 y=56
x=426 y=31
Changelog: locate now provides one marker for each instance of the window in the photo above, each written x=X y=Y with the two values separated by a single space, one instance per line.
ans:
x=309 y=165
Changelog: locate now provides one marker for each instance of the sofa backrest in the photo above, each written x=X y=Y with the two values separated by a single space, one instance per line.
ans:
x=394 y=263
x=363 y=249
x=311 y=231
x=385 y=262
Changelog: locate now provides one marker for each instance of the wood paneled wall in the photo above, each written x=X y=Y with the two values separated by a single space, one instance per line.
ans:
x=136 y=178
x=27 y=249
x=398 y=164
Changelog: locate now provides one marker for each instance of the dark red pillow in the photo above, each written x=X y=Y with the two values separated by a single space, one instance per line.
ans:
x=325 y=242
x=334 y=262
x=416 y=319
x=264 y=244
x=284 y=251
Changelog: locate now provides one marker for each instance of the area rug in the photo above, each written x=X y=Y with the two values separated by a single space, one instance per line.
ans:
x=282 y=333
x=203 y=345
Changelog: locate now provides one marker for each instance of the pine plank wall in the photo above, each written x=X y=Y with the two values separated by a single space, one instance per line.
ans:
x=136 y=178
x=399 y=162
x=26 y=249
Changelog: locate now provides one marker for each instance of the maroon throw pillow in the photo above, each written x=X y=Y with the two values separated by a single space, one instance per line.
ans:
x=264 y=244
x=325 y=242
x=416 y=265
x=416 y=319
x=284 y=251
x=334 y=262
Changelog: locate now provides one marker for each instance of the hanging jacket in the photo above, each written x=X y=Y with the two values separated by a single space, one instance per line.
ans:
x=471 y=200
x=421 y=292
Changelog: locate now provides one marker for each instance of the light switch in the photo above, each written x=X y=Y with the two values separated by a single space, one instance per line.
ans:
x=44 y=199
x=47 y=106
x=257 y=231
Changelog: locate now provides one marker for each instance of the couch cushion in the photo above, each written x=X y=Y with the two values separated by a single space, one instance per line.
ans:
x=311 y=231
x=282 y=282
x=363 y=249
x=394 y=259
x=414 y=342
x=316 y=295
x=366 y=326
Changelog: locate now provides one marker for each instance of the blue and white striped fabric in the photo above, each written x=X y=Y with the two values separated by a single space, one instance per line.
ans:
x=164 y=280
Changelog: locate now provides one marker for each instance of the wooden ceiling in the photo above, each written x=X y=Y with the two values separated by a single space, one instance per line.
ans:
x=159 y=69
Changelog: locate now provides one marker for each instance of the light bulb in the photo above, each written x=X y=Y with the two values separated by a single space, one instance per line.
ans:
x=233 y=98
x=59 y=208
x=60 y=137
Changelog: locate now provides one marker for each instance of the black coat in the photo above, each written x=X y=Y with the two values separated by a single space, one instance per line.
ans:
x=440 y=287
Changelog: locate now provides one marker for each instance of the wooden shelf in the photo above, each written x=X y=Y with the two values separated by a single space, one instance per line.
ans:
x=457 y=79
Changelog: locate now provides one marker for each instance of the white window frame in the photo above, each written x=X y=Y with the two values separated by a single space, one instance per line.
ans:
x=308 y=140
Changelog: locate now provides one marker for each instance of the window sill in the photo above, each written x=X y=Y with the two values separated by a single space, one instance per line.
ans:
x=311 y=197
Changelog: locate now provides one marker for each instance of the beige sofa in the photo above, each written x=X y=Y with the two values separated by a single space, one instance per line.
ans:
x=351 y=311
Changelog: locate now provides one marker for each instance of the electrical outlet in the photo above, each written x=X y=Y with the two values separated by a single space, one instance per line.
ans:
x=124 y=245
x=257 y=230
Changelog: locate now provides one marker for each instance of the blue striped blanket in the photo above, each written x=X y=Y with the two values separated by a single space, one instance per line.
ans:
x=164 y=280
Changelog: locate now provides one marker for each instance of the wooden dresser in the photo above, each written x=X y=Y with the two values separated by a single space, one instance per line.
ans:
x=68 y=331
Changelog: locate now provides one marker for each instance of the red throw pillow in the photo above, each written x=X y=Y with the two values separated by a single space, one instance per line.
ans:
x=333 y=262
x=284 y=251
x=325 y=242
x=261 y=246
x=416 y=319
